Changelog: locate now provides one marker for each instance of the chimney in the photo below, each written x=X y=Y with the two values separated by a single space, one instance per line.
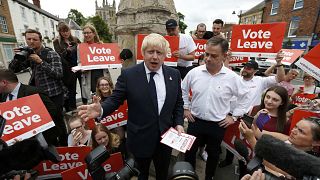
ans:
x=37 y=3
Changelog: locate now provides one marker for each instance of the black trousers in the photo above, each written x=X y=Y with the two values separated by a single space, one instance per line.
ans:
x=70 y=102
x=184 y=70
x=213 y=135
x=161 y=160
x=59 y=121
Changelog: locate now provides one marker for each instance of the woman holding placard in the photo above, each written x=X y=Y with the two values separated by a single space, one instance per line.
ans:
x=89 y=78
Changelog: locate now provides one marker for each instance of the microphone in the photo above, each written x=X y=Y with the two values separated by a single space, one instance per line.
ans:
x=242 y=149
x=286 y=157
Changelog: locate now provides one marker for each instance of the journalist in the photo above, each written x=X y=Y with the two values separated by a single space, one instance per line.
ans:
x=46 y=68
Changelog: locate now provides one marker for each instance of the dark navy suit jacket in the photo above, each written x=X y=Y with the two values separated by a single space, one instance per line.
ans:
x=145 y=125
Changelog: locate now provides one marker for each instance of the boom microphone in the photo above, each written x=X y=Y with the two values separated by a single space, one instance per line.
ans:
x=289 y=159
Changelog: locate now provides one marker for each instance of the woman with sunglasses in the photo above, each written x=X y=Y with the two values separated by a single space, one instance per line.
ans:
x=308 y=90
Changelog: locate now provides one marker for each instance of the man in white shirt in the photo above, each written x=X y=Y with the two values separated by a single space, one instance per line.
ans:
x=187 y=48
x=213 y=87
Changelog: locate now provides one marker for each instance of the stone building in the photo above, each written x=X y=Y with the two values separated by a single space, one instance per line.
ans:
x=8 y=40
x=302 y=17
x=142 y=17
x=108 y=13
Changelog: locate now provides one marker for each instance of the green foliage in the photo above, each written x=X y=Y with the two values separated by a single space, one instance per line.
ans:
x=101 y=27
x=77 y=17
x=182 y=25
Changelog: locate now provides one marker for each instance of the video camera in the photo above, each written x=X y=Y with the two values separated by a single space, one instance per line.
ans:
x=100 y=155
x=24 y=53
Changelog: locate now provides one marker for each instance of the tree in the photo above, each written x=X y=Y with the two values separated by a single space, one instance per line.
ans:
x=77 y=17
x=101 y=27
x=182 y=25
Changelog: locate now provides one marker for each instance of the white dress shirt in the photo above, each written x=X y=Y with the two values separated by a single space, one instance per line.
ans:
x=212 y=94
x=186 y=46
x=14 y=92
x=160 y=86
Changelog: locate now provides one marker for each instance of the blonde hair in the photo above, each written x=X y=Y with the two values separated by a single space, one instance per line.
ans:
x=155 y=40
x=93 y=29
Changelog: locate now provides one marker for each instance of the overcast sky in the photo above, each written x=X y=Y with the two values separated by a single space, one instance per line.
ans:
x=195 y=11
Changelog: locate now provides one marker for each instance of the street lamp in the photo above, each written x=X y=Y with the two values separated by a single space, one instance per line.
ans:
x=240 y=13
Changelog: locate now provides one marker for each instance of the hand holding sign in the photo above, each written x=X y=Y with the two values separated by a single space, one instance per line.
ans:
x=91 y=111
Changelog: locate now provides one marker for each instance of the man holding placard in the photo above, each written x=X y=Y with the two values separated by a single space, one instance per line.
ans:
x=187 y=48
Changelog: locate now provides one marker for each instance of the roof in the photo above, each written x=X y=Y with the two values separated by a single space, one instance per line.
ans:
x=256 y=8
x=72 y=24
x=35 y=8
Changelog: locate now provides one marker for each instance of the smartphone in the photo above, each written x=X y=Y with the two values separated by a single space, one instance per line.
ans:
x=248 y=120
x=262 y=119
x=2 y=124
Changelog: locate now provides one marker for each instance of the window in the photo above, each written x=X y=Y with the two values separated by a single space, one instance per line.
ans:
x=52 y=24
x=254 y=19
x=3 y=24
x=8 y=51
x=44 y=21
x=23 y=13
x=293 y=28
x=274 y=7
x=298 y=4
x=35 y=18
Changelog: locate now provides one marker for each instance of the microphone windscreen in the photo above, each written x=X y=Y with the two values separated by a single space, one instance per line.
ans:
x=286 y=157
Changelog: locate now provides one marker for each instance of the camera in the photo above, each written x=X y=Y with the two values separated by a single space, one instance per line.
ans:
x=24 y=53
x=100 y=155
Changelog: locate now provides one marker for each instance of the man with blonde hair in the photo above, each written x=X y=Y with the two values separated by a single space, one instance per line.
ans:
x=155 y=104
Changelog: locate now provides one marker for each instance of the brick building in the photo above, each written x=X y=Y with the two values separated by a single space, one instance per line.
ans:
x=302 y=17
x=253 y=15
x=7 y=37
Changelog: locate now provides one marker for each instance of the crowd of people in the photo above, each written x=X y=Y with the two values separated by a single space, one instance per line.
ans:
x=210 y=97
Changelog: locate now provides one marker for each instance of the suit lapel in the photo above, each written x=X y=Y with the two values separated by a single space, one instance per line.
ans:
x=21 y=91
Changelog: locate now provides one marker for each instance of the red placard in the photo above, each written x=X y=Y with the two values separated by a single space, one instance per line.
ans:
x=113 y=164
x=25 y=117
x=301 y=98
x=300 y=114
x=117 y=118
x=258 y=40
x=71 y=157
x=99 y=56
x=201 y=47
x=174 y=46
x=232 y=133
x=238 y=60
x=290 y=55
x=310 y=62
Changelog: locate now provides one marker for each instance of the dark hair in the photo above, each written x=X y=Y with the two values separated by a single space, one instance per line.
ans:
x=99 y=128
x=218 y=21
x=315 y=129
x=217 y=40
x=33 y=31
x=62 y=27
x=6 y=74
x=282 y=109
x=201 y=25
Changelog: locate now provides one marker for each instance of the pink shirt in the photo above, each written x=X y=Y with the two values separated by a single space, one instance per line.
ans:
x=288 y=86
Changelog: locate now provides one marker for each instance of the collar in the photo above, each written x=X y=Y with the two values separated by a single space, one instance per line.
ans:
x=15 y=91
x=160 y=72
x=223 y=70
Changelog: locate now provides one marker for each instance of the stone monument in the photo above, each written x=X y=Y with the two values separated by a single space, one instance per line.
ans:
x=141 y=17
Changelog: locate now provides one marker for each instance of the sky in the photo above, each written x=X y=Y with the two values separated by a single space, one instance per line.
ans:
x=195 y=11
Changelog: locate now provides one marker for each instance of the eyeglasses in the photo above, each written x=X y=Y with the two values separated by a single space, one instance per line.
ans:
x=86 y=33
x=104 y=85
x=308 y=78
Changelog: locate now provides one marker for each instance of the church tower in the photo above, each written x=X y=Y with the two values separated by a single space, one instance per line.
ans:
x=108 y=13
